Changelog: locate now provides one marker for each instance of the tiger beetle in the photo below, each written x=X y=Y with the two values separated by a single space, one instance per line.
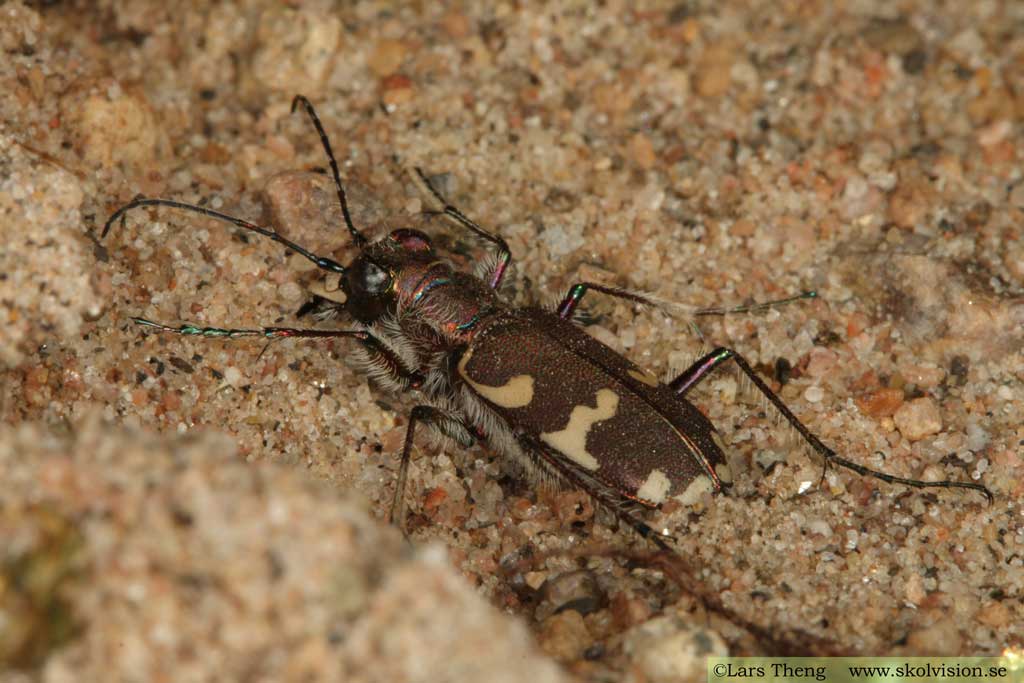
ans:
x=527 y=381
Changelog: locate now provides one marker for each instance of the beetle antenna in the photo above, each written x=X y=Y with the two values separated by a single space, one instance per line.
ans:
x=357 y=236
x=320 y=261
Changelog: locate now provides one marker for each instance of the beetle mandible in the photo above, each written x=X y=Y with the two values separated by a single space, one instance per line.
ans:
x=528 y=381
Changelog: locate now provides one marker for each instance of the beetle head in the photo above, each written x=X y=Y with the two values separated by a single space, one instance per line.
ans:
x=370 y=281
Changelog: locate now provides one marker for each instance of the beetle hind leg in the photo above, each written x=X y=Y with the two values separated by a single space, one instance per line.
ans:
x=607 y=498
x=704 y=365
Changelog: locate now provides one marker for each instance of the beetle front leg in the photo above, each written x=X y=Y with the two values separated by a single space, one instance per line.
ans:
x=705 y=364
x=265 y=332
x=382 y=361
x=446 y=423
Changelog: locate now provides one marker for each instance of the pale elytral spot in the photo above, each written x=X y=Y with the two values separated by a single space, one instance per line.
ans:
x=572 y=441
x=655 y=488
x=645 y=376
x=516 y=393
x=697 y=488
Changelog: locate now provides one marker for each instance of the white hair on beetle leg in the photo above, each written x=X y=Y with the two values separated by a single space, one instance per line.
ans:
x=485 y=268
x=390 y=332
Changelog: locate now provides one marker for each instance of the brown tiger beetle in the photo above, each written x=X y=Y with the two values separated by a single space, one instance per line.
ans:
x=528 y=381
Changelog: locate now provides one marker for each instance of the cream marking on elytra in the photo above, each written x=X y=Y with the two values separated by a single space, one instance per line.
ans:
x=697 y=488
x=645 y=376
x=655 y=489
x=572 y=441
x=516 y=393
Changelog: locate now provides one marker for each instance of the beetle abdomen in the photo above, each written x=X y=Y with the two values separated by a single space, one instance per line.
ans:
x=593 y=409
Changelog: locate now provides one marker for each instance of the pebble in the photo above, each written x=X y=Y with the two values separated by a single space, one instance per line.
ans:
x=914 y=590
x=297 y=48
x=882 y=402
x=821 y=361
x=714 y=71
x=114 y=127
x=564 y=636
x=303 y=207
x=918 y=419
x=814 y=394
x=456 y=25
x=232 y=376
x=573 y=506
x=896 y=36
x=995 y=614
x=386 y=58
x=577 y=590
x=669 y=649
x=977 y=437
x=641 y=151
x=940 y=638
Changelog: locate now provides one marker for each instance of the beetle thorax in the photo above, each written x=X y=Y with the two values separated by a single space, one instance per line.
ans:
x=450 y=302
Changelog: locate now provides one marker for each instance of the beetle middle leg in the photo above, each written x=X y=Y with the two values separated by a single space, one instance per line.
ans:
x=700 y=369
x=504 y=257
x=449 y=425
x=576 y=293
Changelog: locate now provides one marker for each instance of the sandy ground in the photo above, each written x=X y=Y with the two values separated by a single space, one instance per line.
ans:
x=712 y=153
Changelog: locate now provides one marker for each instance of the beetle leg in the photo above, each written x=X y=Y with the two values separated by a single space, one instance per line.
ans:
x=603 y=495
x=504 y=254
x=446 y=423
x=645 y=530
x=705 y=364
x=380 y=357
x=577 y=291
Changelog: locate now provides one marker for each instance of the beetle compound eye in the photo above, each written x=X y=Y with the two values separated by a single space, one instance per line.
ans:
x=375 y=279
x=366 y=278
x=411 y=240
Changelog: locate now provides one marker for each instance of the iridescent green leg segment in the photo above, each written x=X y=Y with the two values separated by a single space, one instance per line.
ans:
x=578 y=290
x=265 y=332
